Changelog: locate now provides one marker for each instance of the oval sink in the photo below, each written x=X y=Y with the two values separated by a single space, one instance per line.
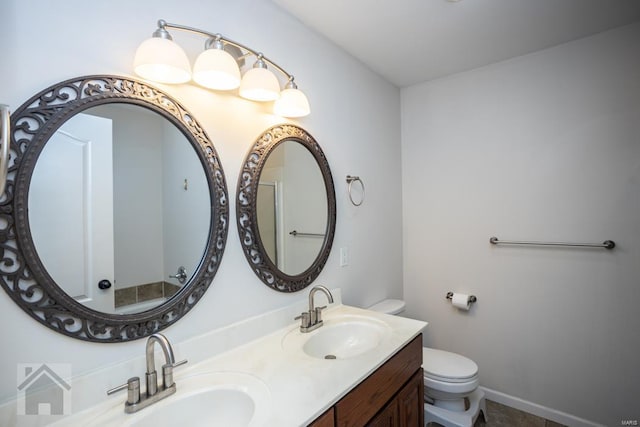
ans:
x=224 y=407
x=206 y=399
x=341 y=337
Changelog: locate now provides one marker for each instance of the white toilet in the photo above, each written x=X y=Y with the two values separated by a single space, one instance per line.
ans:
x=451 y=393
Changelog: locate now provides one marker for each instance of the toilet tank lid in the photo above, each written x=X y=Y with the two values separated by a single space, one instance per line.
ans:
x=389 y=306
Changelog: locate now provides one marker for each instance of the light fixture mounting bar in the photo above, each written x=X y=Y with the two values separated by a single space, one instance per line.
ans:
x=164 y=25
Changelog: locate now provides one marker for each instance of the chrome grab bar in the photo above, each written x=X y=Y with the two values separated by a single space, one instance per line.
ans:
x=5 y=142
x=607 y=244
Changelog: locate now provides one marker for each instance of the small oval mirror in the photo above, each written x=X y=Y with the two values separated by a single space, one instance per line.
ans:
x=286 y=208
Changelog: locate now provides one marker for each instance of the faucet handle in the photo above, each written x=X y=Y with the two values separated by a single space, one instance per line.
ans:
x=319 y=313
x=176 y=364
x=133 y=390
x=167 y=372
x=306 y=319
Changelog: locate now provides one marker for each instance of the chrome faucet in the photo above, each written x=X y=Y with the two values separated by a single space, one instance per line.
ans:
x=136 y=401
x=312 y=319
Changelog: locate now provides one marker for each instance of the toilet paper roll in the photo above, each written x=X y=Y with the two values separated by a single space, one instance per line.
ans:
x=461 y=301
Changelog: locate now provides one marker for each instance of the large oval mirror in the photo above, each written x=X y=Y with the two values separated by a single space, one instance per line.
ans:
x=120 y=209
x=286 y=208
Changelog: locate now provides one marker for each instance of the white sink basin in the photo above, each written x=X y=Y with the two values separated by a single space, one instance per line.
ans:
x=340 y=337
x=229 y=399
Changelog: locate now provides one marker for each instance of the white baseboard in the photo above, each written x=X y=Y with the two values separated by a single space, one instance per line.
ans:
x=539 y=410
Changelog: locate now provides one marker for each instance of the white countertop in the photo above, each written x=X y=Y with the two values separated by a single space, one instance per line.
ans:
x=300 y=387
x=303 y=387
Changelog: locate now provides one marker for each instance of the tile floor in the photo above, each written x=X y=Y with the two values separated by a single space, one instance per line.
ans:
x=505 y=416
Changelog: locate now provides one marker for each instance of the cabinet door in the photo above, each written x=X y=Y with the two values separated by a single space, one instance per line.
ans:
x=362 y=403
x=324 y=420
x=388 y=417
x=406 y=408
x=410 y=402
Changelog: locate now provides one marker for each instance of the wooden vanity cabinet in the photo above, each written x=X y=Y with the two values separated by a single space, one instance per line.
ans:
x=392 y=396
x=325 y=420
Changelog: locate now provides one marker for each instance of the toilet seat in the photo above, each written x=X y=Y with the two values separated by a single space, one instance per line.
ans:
x=445 y=366
x=449 y=372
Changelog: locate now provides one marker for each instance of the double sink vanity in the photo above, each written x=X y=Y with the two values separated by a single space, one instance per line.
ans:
x=295 y=366
x=341 y=374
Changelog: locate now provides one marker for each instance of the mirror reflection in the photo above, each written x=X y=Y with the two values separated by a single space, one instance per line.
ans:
x=125 y=191
x=291 y=207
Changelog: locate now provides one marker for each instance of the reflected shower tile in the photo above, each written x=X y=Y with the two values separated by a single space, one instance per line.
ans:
x=149 y=291
x=170 y=289
x=125 y=296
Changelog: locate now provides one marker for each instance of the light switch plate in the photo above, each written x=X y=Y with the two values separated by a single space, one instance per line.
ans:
x=344 y=256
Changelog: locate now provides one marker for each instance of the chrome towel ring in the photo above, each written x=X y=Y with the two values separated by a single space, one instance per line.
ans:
x=350 y=181
x=5 y=135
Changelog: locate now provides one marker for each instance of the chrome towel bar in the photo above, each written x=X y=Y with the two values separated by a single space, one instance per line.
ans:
x=607 y=244
x=295 y=233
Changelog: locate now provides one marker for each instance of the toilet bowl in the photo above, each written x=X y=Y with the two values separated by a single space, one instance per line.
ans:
x=451 y=393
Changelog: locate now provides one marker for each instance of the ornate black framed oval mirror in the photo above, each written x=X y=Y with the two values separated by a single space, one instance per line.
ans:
x=286 y=208
x=109 y=181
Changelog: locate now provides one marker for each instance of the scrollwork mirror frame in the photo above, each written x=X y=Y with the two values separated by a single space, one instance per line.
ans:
x=22 y=273
x=246 y=214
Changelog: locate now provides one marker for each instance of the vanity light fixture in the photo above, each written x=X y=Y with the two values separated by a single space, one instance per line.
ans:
x=260 y=84
x=215 y=68
x=292 y=102
x=162 y=60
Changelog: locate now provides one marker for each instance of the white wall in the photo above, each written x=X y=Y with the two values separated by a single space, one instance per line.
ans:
x=270 y=208
x=355 y=118
x=541 y=147
x=137 y=169
x=305 y=208
x=186 y=212
x=168 y=227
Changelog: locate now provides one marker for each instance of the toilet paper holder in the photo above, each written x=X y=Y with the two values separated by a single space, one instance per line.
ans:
x=472 y=298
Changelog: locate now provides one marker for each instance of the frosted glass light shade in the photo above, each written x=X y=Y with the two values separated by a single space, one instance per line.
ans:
x=292 y=103
x=163 y=61
x=216 y=69
x=259 y=84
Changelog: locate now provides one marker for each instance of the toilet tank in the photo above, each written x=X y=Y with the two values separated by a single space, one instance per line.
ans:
x=389 y=306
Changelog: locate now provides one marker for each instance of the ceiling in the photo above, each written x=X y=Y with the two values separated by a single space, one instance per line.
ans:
x=411 y=41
